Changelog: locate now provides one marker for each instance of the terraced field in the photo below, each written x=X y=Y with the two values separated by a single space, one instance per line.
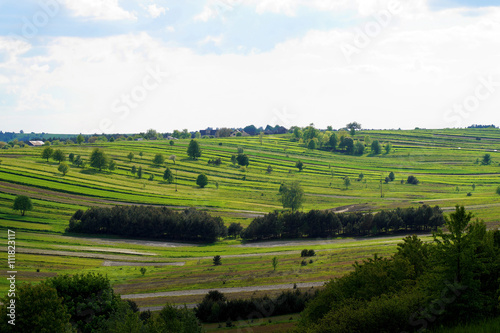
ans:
x=443 y=160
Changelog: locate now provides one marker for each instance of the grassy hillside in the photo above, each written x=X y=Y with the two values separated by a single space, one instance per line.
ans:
x=443 y=160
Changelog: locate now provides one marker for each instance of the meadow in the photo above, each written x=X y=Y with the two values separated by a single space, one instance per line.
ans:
x=445 y=162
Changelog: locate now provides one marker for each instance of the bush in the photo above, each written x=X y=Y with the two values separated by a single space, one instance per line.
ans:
x=202 y=180
x=498 y=190
x=412 y=180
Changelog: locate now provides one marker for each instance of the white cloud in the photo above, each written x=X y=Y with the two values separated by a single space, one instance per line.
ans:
x=216 y=40
x=156 y=11
x=207 y=14
x=98 y=9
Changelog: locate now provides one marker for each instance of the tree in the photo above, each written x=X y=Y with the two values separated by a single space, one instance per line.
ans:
x=498 y=190
x=71 y=157
x=349 y=145
x=197 y=135
x=173 y=320
x=80 y=139
x=292 y=196
x=347 y=182
x=98 y=159
x=299 y=165
x=312 y=144
x=63 y=168
x=392 y=176
x=194 y=150
x=143 y=270
x=38 y=308
x=217 y=260
x=23 y=204
x=202 y=180
x=388 y=147
x=234 y=229
x=168 y=176
x=151 y=133
x=233 y=159
x=47 y=153
x=78 y=161
x=333 y=141
x=139 y=172
x=269 y=169
x=172 y=142
x=158 y=160
x=223 y=132
x=112 y=165
x=133 y=170
x=172 y=158
x=352 y=127
x=141 y=154
x=376 y=147
x=412 y=180
x=243 y=160
x=359 y=148
x=486 y=159
x=130 y=156
x=275 y=263
x=59 y=156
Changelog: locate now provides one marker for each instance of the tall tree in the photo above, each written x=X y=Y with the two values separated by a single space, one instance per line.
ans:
x=23 y=204
x=194 y=150
x=376 y=147
x=63 y=168
x=158 y=160
x=292 y=195
x=333 y=141
x=47 y=153
x=168 y=176
x=299 y=165
x=98 y=159
x=352 y=127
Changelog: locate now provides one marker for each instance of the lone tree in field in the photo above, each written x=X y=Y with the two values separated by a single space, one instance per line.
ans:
x=63 y=168
x=388 y=147
x=139 y=172
x=347 y=182
x=243 y=160
x=217 y=260
x=172 y=158
x=392 y=176
x=130 y=156
x=158 y=160
x=299 y=165
x=23 y=204
x=269 y=169
x=112 y=165
x=292 y=196
x=498 y=190
x=194 y=150
x=98 y=159
x=168 y=176
x=133 y=170
x=47 y=153
x=143 y=270
x=275 y=263
x=486 y=159
x=59 y=156
x=202 y=180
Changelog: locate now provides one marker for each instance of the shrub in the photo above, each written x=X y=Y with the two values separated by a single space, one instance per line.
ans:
x=202 y=180
x=412 y=180
x=217 y=260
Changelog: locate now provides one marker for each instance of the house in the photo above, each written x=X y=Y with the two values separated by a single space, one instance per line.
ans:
x=242 y=133
x=36 y=143
x=208 y=132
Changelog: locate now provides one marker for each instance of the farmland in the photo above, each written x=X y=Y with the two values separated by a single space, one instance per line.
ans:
x=444 y=161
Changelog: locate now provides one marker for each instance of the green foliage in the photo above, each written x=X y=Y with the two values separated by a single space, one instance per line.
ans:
x=234 y=229
x=23 y=204
x=151 y=177
x=311 y=144
x=412 y=180
x=292 y=196
x=71 y=157
x=307 y=253
x=173 y=320
x=486 y=159
x=139 y=172
x=158 y=160
x=88 y=298
x=171 y=142
x=80 y=139
x=202 y=180
x=392 y=176
x=98 y=159
x=112 y=165
x=376 y=147
x=333 y=141
x=47 y=153
x=133 y=170
x=172 y=158
x=217 y=260
x=498 y=190
x=299 y=165
x=59 y=156
x=269 y=169
x=347 y=182
x=359 y=148
x=168 y=176
x=143 y=270
x=130 y=156
x=388 y=147
x=38 y=308
x=194 y=150
x=243 y=160
x=63 y=168
x=275 y=263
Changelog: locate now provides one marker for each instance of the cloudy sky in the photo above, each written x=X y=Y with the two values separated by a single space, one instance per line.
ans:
x=107 y=66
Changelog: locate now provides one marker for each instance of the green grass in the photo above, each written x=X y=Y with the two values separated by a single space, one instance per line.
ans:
x=433 y=156
x=486 y=326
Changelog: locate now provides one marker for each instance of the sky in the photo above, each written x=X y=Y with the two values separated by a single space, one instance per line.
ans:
x=125 y=66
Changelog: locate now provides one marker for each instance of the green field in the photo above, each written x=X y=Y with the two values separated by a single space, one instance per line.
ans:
x=443 y=160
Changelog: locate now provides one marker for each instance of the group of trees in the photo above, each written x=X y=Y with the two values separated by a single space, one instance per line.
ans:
x=422 y=286
x=87 y=303
x=317 y=223
x=216 y=308
x=149 y=222
x=98 y=159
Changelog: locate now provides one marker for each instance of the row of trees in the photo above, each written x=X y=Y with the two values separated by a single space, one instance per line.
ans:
x=149 y=222
x=317 y=223
x=421 y=287
x=216 y=308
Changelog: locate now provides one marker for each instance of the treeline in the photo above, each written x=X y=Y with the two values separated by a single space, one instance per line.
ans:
x=421 y=287
x=149 y=222
x=317 y=223
x=216 y=308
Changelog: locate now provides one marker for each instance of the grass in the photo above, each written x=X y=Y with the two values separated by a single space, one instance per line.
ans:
x=441 y=159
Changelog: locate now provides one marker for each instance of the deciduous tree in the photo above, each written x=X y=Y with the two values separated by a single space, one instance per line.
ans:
x=23 y=204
